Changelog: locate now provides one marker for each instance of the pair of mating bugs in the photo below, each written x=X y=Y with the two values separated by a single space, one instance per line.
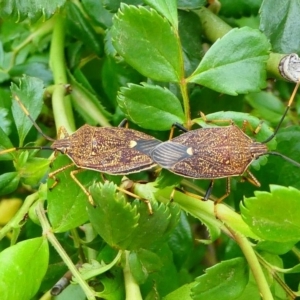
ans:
x=205 y=153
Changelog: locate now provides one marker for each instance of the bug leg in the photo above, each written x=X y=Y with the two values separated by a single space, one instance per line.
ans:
x=178 y=126
x=124 y=123
x=62 y=133
x=227 y=192
x=251 y=178
x=72 y=174
x=53 y=174
x=203 y=116
x=146 y=201
x=209 y=190
x=184 y=192
x=129 y=185
x=223 y=197
x=246 y=125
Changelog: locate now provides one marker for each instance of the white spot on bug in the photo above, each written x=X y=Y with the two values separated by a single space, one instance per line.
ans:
x=190 y=151
x=132 y=144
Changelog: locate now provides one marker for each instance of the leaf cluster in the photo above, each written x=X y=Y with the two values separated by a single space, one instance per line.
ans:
x=155 y=63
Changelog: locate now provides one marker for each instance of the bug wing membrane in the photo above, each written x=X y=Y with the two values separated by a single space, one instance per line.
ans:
x=168 y=154
x=119 y=151
x=146 y=146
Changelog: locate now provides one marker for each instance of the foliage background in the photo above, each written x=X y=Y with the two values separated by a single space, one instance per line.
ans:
x=156 y=63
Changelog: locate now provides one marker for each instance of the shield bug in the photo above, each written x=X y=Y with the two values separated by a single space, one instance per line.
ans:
x=218 y=152
x=110 y=150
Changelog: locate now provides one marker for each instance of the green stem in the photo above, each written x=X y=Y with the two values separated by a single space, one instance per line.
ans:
x=102 y=269
x=186 y=103
x=47 y=231
x=183 y=86
x=20 y=215
x=213 y=27
x=78 y=245
x=273 y=63
x=90 y=235
x=43 y=30
x=202 y=210
x=131 y=286
x=62 y=108
x=255 y=267
x=296 y=252
x=273 y=271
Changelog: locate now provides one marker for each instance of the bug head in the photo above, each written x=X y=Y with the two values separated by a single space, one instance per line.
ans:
x=62 y=145
x=258 y=149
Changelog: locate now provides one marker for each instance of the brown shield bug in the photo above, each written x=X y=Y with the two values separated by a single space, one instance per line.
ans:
x=110 y=150
x=218 y=152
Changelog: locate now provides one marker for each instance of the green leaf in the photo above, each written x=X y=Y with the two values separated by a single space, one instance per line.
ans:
x=8 y=183
x=30 y=92
x=162 y=222
x=230 y=69
x=5 y=122
x=295 y=269
x=184 y=292
x=66 y=201
x=167 y=179
x=275 y=247
x=279 y=22
x=113 y=218
x=147 y=43
x=189 y=29
x=280 y=171
x=97 y=12
x=33 y=171
x=163 y=284
x=226 y=280
x=274 y=216
x=5 y=143
x=126 y=226
x=191 y=4
x=23 y=267
x=1 y=55
x=251 y=290
x=267 y=106
x=139 y=102
x=115 y=75
x=81 y=28
x=113 y=286
x=167 y=8
x=238 y=9
x=181 y=241
x=40 y=70
x=87 y=104
x=276 y=286
x=33 y=10
x=202 y=210
x=142 y=263
x=114 y=5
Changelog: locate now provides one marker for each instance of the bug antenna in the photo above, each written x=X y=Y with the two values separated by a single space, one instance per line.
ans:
x=26 y=148
x=295 y=163
x=38 y=128
x=286 y=111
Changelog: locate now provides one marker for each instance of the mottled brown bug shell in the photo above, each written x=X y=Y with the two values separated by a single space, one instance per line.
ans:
x=209 y=153
x=111 y=150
